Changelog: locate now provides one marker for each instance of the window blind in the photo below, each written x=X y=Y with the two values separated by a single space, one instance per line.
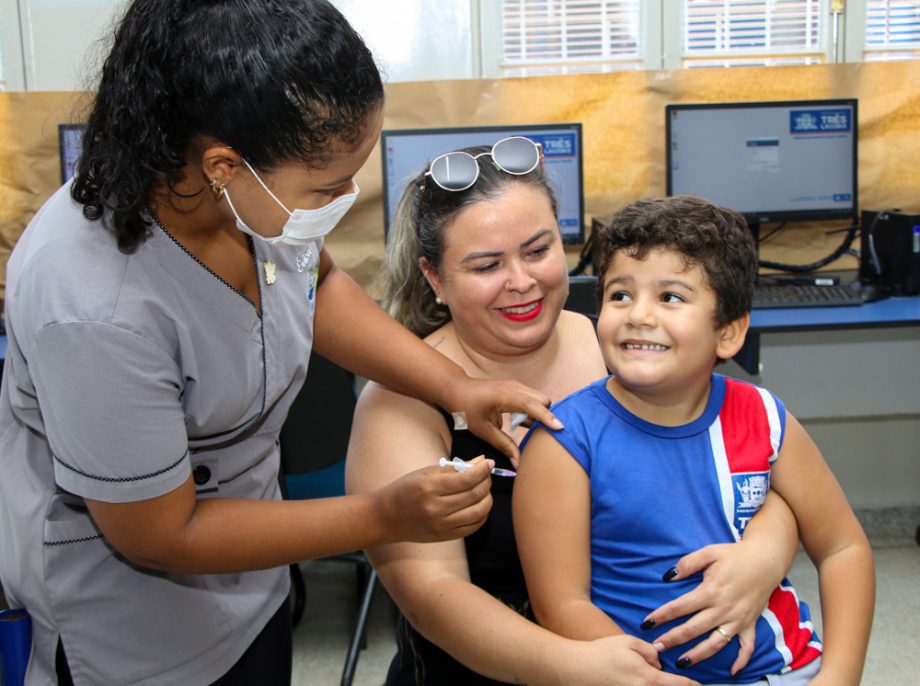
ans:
x=561 y=36
x=754 y=32
x=892 y=30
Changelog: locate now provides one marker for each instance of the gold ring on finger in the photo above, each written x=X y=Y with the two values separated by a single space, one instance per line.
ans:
x=723 y=634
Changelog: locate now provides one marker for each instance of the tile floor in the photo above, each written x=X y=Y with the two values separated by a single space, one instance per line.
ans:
x=321 y=640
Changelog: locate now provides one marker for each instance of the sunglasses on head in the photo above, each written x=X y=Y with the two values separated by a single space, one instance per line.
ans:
x=458 y=170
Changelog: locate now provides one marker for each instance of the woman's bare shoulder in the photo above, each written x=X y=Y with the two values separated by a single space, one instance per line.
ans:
x=578 y=333
x=392 y=434
x=575 y=319
x=390 y=405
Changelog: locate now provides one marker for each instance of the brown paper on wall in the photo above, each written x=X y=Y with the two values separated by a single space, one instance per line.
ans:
x=623 y=121
x=29 y=159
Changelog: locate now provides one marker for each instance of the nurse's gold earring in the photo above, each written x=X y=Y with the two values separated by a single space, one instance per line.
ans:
x=217 y=188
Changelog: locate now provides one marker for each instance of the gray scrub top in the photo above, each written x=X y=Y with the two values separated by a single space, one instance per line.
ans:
x=125 y=374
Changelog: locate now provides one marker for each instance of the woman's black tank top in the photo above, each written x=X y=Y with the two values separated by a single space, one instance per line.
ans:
x=494 y=567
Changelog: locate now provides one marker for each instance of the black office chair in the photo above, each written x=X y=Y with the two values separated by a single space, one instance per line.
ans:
x=582 y=296
x=314 y=441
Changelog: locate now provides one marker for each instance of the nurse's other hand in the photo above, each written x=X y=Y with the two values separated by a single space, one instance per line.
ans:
x=485 y=401
x=435 y=503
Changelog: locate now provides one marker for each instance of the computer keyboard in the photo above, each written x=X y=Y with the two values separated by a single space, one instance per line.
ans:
x=806 y=295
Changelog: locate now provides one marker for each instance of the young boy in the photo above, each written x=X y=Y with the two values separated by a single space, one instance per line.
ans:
x=665 y=456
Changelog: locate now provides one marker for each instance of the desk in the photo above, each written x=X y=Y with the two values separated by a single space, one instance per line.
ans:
x=891 y=312
x=850 y=375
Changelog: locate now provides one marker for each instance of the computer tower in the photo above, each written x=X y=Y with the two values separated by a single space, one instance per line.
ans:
x=890 y=250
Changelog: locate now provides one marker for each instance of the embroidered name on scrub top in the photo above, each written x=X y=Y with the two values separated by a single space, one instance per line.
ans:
x=303 y=261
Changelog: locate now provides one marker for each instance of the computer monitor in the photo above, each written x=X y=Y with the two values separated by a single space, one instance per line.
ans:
x=406 y=152
x=770 y=161
x=70 y=140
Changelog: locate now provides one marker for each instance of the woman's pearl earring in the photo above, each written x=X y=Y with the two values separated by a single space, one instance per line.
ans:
x=438 y=300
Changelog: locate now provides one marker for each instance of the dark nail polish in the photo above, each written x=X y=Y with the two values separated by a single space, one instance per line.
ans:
x=670 y=574
x=647 y=624
x=683 y=663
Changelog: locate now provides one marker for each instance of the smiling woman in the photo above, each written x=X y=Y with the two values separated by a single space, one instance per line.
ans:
x=502 y=274
x=426 y=211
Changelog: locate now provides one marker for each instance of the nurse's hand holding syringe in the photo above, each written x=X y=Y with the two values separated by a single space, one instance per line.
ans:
x=462 y=466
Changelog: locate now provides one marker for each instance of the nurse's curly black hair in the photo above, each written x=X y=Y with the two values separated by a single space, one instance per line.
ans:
x=277 y=80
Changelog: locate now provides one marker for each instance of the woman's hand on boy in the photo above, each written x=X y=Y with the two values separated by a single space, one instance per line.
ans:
x=620 y=660
x=726 y=603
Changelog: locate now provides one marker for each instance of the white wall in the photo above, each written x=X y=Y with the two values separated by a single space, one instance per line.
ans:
x=417 y=40
x=53 y=45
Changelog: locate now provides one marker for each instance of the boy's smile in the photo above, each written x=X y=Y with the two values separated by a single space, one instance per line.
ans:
x=644 y=346
x=658 y=335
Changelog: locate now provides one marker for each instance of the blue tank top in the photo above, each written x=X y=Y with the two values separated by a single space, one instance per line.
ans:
x=661 y=492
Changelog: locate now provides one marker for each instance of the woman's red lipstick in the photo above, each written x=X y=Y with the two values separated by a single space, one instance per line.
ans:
x=523 y=316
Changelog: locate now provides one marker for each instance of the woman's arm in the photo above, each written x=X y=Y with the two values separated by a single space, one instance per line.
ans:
x=837 y=545
x=738 y=579
x=354 y=332
x=430 y=582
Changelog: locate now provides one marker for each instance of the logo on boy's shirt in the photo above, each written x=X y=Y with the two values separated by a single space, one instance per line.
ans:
x=750 y=492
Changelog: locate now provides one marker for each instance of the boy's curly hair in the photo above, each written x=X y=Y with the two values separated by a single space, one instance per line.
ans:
x=715 y=238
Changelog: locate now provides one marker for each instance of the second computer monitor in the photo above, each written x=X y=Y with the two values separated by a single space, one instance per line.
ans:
x=406 y=152
x=771 y=161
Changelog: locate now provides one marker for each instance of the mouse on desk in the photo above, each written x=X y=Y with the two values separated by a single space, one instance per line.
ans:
x=872 y=292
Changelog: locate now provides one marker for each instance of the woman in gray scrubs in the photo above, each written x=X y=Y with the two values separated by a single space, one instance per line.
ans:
x=161 y=311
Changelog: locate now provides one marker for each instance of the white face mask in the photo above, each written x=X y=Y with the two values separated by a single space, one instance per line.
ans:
x=302 y=226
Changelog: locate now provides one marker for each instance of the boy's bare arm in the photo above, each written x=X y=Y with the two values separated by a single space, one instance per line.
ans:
x=839 y=549
x=552 y=525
